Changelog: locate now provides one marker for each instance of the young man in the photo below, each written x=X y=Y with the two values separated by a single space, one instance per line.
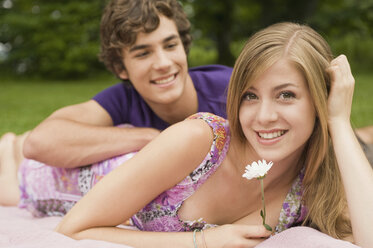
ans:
x=145 y=43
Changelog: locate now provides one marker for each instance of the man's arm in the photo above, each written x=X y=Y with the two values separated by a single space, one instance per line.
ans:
x=82 y=134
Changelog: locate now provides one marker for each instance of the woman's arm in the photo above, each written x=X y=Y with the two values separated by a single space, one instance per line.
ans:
x=224 y=236
x=160 y=165
x=356 y=172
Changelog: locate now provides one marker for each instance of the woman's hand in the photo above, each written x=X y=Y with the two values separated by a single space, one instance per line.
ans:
x=227 y=236
x=341 y=91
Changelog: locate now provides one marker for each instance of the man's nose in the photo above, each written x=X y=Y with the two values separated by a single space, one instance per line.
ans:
x=162 y=61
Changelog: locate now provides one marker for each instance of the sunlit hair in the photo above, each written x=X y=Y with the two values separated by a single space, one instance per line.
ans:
x=309 y=52
x=122 y=20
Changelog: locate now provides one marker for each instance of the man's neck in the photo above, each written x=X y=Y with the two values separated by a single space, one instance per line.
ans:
x=183 y=107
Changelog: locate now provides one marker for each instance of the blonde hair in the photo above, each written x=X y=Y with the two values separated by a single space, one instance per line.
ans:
x=323 y=192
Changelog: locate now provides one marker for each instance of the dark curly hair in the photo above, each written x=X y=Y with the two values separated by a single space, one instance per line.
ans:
x=122 y=20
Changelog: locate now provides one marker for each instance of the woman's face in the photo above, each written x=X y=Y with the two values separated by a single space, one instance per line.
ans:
x=277 y=114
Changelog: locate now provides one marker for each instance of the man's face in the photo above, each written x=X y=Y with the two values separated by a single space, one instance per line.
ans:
x=156 y=64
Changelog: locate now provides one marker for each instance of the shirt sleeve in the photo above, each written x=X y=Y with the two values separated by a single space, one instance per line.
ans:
x=113 y=100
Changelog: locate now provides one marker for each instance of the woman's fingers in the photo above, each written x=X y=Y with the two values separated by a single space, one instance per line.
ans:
x=236 y=236
x=341 y=91
x=255 y=231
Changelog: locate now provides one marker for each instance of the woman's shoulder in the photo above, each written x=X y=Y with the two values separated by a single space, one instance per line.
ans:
x=199 y=134
x=218 y=124
x=220 y=132
x=207 y=116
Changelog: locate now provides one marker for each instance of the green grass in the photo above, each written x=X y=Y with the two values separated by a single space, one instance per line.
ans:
x=362 y=107
x=23 y=104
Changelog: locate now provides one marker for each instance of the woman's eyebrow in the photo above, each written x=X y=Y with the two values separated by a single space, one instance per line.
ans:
x=281 y=86
x=278 y=87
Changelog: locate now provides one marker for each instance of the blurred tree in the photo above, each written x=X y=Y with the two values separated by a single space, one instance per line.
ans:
x=61 y=38
x=51 y=38
x=226 y=21
x=215 y=19
x=345 y=23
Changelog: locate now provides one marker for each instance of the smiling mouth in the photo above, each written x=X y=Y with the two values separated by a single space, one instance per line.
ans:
x=165 y=80
x=271 y=135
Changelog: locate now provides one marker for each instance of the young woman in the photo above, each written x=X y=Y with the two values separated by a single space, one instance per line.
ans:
x=288 y=102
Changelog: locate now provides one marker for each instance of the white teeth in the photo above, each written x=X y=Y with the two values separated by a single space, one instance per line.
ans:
x=271 y=135
x=166 y=80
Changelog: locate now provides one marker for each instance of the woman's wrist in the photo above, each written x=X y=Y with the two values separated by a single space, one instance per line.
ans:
x=339 y=126
x=199 y=242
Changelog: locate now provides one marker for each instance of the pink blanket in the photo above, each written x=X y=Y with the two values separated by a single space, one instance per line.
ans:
x=304 y=237
x=18 y=229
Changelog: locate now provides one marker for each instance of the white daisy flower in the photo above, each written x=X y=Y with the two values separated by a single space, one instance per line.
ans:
x=257 y=169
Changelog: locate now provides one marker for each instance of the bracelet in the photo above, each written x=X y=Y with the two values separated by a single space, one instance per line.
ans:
x=194 y=238
x=203 y=239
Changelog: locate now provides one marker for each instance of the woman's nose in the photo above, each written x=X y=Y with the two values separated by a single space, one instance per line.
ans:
x=267 y=112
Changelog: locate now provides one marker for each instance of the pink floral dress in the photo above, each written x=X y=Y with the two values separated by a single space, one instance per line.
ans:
x=50 y=191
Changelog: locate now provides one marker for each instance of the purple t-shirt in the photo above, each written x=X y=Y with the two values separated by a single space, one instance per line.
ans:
x=125 y=105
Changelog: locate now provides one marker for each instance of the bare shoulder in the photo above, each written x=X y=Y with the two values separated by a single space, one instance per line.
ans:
x=194 y=133
x=180 y=148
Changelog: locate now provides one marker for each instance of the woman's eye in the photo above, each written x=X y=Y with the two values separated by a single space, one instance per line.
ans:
x=250 y=96
x=286 y=95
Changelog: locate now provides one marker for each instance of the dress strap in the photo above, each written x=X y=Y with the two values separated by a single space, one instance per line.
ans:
x=218 y=150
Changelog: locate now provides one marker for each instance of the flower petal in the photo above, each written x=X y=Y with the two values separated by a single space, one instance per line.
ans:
x=257 y=169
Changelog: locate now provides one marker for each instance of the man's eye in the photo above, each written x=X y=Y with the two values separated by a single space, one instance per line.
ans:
x=142 y=54
x=171 y=45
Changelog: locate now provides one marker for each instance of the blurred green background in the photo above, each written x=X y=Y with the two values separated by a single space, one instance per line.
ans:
x=48 y=49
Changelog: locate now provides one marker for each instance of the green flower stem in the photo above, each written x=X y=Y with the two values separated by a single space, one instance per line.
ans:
x=264 y=205
x=263 y=214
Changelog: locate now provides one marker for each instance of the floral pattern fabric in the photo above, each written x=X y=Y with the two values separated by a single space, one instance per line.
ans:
x=293 y=212
x=51 y=191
